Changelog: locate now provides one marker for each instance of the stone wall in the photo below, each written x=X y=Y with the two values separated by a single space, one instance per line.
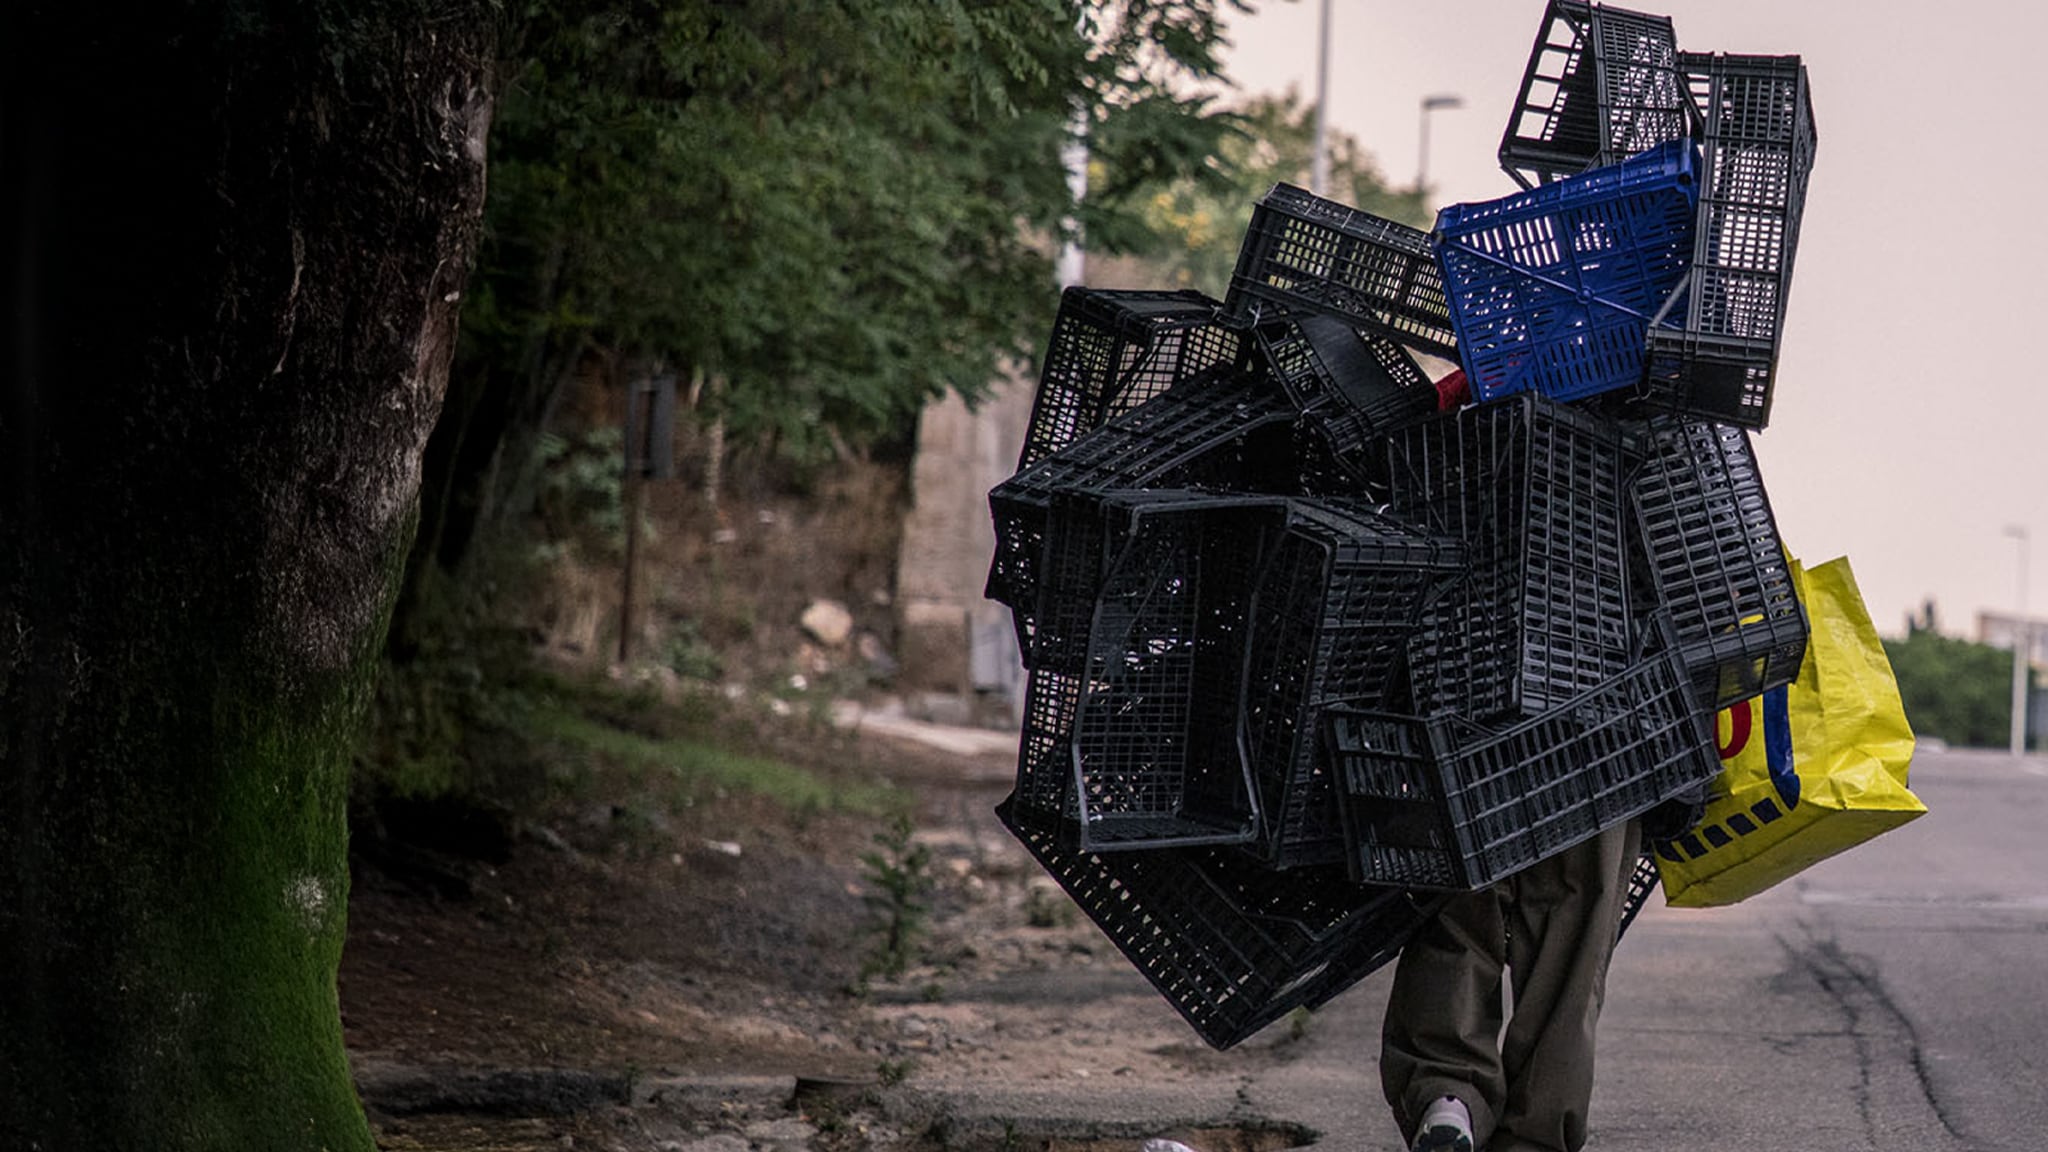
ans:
x=957 y=649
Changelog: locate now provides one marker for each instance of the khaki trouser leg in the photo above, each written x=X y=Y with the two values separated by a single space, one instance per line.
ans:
x=1561 y=927
x=1444 y=1016
x=1552 y=927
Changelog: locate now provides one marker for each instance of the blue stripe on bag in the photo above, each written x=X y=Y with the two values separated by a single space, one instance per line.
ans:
x=1778 y=746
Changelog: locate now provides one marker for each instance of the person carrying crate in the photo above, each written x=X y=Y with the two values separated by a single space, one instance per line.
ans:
x=1455 y=1081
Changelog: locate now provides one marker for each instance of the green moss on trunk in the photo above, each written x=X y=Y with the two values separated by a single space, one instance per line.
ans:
x=242 y=230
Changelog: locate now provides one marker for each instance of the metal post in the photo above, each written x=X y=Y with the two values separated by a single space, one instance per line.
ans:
x=1429 y=104
x=2022 y=643
x=1319 y=163
x=647 y=433
x=1422 y=149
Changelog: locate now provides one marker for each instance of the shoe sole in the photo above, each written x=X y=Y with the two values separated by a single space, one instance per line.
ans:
x=1442 y=1138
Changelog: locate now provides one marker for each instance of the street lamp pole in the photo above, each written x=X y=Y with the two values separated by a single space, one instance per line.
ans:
x=2022 y=645
x=1429 y=104
x=1319 y=162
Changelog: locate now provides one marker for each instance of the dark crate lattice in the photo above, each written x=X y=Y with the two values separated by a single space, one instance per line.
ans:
x=1232 y=945
x=1641 y=883
x=1711 y=553
x=1719 y=360
x=1534 y=489
x=1142 y=651
x=1214 y=431
x=1303 y=253
x=1352 y=386
x=1602 y=84
x=1112 y=350
x=1334 y=609
x=1443 y=803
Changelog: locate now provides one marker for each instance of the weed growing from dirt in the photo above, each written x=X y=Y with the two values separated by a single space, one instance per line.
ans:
x=1044 y=908
x=900 y=871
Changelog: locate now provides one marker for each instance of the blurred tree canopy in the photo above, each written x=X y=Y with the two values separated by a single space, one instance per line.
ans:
x=1272 y=141
x=820 y=213
x=1957 y=690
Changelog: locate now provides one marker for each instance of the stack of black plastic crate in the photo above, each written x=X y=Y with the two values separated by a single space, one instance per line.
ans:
x=1307 y=655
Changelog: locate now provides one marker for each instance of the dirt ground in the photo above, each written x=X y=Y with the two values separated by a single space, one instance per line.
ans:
x=571 y=995
x=584 y=986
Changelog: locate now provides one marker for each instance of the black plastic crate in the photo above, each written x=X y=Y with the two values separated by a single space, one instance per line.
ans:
x=1534 y=489
x=1303 y=253
x=1044 y=794
x=1217 y=430
x=1353 y=386
x=1112 y=350
x=1336 y=604
x=1445 y=804
x=1713 y=559
x=1602 y=84
x=1720 y=360
x=1142 y=640
x=1321 y=472
x=1233 y=946
x=1641 y=883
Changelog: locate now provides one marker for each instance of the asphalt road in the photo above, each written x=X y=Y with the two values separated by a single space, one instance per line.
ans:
x=1893 y=999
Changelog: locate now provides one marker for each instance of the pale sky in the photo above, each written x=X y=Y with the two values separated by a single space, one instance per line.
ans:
x=1909 y=426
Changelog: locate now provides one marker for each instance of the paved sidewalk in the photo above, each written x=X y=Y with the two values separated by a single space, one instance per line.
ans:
x=1720 y=1022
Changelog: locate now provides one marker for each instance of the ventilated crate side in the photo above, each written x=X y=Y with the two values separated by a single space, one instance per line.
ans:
x=1044 y=796
x=1641 y=883
x=1553 y=781
x=1720 y=360
x=1553 y=290
x=1354 y=386
x=1512 y=798
x=1156 y=756
x=1601 y=84
x=1303 y=253
x=1082 y=543
x=1082 y=540
x=1233 y=946
x=1112 y=350
x=1711 y=550
x=1132 y=708
x=1390 y=799
x=1330 y=624
x=1554 y=127
x=1534 y=491
x=1206 y=433
x=1642 y=90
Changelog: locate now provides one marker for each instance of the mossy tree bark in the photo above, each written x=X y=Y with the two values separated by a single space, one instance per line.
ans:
x=236 y=236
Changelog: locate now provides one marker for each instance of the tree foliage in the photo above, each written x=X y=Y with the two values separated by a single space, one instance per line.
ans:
x=1272 y=141
x=819 y=213
x=838 y=208
x=1953 y=689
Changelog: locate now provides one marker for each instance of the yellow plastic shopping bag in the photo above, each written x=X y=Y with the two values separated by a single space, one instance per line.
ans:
x=1808 y=770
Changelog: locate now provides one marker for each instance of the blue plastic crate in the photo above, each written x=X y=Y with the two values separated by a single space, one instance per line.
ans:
x=1552 y=290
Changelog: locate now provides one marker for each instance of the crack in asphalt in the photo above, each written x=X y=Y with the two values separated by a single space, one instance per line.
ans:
x=1854 y=985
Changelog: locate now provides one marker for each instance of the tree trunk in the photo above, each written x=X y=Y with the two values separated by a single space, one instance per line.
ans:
x=236 y=232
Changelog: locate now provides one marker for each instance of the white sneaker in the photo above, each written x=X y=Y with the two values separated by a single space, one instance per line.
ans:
x=1446 y=1127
